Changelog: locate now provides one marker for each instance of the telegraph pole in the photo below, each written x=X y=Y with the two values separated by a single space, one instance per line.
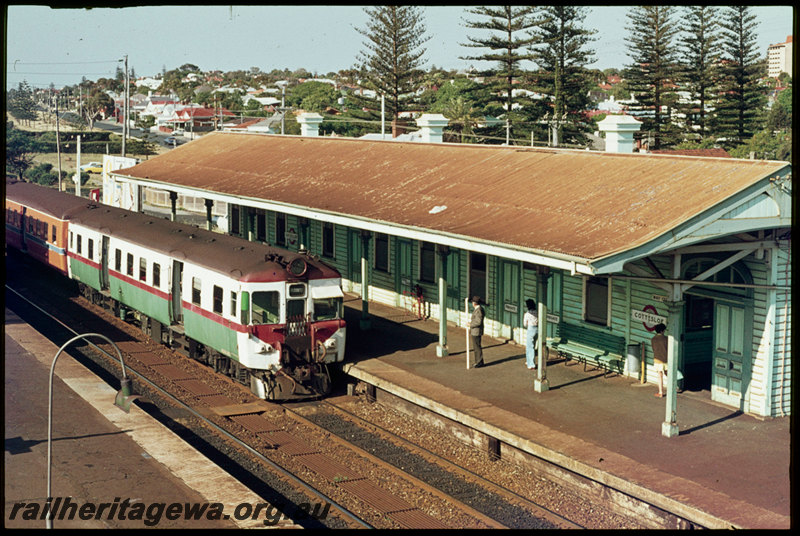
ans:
x=125 y=109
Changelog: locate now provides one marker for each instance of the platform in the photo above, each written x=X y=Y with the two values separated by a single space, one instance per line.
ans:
x=725 y=469
x=100 y=454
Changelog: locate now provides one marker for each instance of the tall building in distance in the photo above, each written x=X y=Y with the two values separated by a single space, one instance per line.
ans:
x=779 y=58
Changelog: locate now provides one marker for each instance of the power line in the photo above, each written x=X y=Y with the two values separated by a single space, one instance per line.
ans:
x=59 y=62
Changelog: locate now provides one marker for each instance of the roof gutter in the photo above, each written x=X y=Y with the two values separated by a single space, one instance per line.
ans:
x=575 y=265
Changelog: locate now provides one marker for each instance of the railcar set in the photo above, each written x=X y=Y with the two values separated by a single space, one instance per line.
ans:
x=269 y=318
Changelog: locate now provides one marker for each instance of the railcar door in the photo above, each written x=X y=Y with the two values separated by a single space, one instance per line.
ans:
x=177 y=291
x=104 y=264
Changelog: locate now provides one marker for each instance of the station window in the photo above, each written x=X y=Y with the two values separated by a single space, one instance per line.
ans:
x=196 y=290
x=156 y=275
x=427 y=262
x=327 y=239
x=217 y=304
x=117 y=260
x=596 y=300
x=261 y=226
x=142 y=269
x=235 y=224
x=266 y=307
x=129 y=266
x=90 y=249
x=280 y=229
x=382 y=252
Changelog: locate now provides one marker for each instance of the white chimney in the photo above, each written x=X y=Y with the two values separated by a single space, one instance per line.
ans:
x=431 y=127
x=619 y=131
x=309 y=123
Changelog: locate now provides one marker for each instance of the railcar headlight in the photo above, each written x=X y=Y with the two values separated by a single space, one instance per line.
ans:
x=264 y=349
x=330 y=344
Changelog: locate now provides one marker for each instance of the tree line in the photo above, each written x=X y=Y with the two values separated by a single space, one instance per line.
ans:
x=695 y=73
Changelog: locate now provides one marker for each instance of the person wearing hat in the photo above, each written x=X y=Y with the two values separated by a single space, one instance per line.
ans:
x=476 y=331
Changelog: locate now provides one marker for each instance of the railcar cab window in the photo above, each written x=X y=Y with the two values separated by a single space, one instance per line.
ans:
x=596 y=300
x=233 y=303
x=328 y=309
x=118 y=260
x=156 y=275
x=296 y=307
x=90 y=249
x=266 y=307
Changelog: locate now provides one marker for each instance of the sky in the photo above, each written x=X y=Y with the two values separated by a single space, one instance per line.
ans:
x=62 y=45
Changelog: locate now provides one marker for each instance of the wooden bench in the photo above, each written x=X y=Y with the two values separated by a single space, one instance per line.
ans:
x=596 y=347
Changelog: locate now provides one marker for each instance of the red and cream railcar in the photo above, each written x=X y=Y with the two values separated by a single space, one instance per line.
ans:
x=270 y=318
x=36 y=222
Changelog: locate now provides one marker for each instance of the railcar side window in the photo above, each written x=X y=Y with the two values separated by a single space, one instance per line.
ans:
x=217 y=305
x=79 y=244
x=233 y=303
x=266 y=307
x=71 y=240
x=156 y=275
x=142 y=269
x=118 y=260
x=90 y=249
x=196 y=286
x=129 y=265
x=54 y=235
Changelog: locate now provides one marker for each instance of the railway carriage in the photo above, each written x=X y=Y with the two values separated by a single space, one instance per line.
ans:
x=36 y=223
x=269 y=318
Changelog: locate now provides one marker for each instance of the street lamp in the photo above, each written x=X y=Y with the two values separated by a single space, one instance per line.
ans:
x=282 y=84
x=123 y=401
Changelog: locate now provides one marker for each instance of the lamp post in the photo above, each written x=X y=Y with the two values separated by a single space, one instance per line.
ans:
x=282 y=84
x=123 y=401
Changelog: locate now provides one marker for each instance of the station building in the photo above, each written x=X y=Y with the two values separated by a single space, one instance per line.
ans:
x=609 y=244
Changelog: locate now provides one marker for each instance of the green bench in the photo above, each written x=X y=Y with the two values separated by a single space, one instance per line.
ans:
x=598 y=348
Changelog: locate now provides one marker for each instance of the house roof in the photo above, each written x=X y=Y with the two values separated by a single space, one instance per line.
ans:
x=553 y=202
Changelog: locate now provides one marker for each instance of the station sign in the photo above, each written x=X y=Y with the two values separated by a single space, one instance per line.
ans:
x=649 y=317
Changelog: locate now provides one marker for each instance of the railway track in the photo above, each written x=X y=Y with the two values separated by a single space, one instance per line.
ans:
x=361 y=489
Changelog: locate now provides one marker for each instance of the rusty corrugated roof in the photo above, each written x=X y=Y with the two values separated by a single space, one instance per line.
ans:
x=579 y=203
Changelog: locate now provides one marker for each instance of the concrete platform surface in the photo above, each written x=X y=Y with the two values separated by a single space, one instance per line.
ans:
x=100 y=454
x=724 y=469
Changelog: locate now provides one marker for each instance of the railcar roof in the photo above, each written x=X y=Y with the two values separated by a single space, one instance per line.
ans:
x=568 y=202
x=47 y=200
x=229 y=255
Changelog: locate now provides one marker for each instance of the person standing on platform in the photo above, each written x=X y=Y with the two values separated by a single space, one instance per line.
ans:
x=476 y=331
x=659 y=344
x=530 y=321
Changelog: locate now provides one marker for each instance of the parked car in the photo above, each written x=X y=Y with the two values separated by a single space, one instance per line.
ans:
x=92 y=167
x=172 y=140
